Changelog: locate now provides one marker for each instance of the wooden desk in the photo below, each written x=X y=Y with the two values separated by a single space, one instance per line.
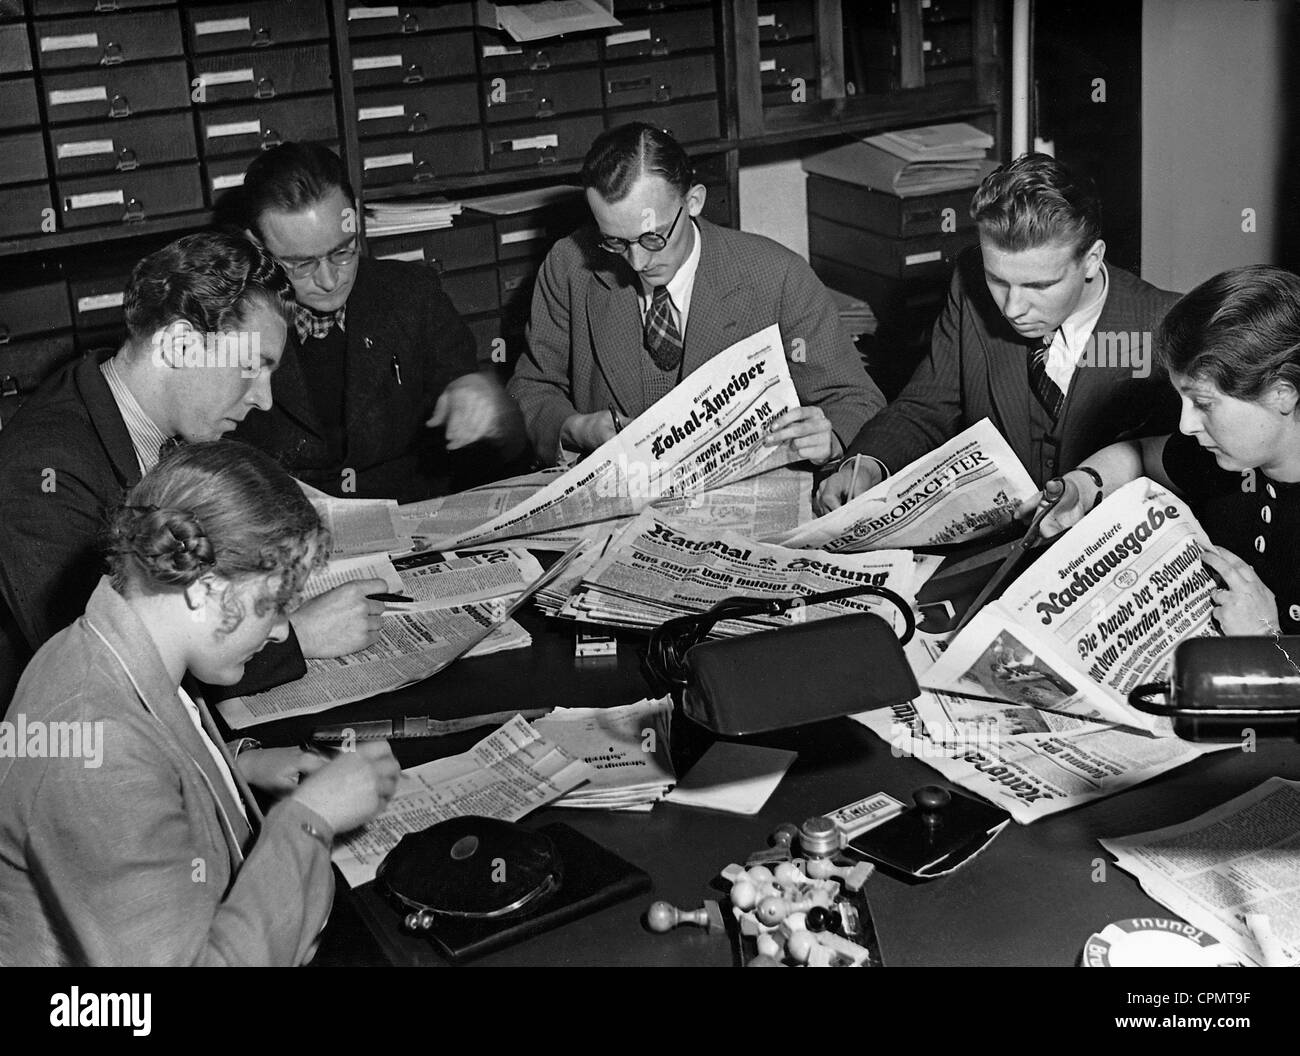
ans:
x=1031 y=898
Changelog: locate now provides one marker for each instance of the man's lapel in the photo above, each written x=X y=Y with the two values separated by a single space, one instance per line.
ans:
x=289 y=388
x=1009 y=386
x=716 y=318
x=370 y=361
x=614 y=323
x=108 y=422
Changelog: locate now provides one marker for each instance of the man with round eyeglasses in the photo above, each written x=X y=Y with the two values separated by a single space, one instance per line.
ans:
x=379 y=394
x=626 y=309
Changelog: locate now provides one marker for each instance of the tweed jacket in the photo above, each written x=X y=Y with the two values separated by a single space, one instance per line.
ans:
x=584 y=338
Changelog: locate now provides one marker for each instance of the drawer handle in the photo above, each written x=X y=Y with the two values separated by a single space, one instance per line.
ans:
x=414 y=74
x=655 y=5
x=120 y=106
x=782 y=75
x=9 y=386
x=270 y=139
x=419 y=122
x=262 y=37
x=659 y=46
x=126 y=160
x=265 y=88
x=518 y=95
x=781 y=31
x=511 y=284
x=4 y=334
x=102 y=6
x=134 y=213
x=541 y=60
x=410 y=24
x=663 y=93
x=112 y=54
x=633 y=85
x=423 y=174
x=545 y=107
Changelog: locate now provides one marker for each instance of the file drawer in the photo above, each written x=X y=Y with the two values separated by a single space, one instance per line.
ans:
x=377 y=20
x=499 y=54
x=450 y=249
x=15 y=53
x=18 y=103
x=784 y=20
x=415 y=108
x=943 y=10
x=257 y=24
x=921 y=256
x=121 y=145
x=412 y=59
x=90 y=7
x=107 y=40
x=630 y=7
x=126 y=196
x=34 y=310
x=425 y=157
x=517 y=287
x=116 y=91
x=660 y=82
x=520 y=96
x=530 y=235
x=660 y=33
x=487 y=341
x=25 y=364
x=780 y=64
x=225 y=174
x=247 y=128
x=541 y=142
x=262 y=73
x=887 y=214
x=97 y=300
x=25 y=209
x=472 y=291
x=11 y=9
x=22 y=158
x=686 y=122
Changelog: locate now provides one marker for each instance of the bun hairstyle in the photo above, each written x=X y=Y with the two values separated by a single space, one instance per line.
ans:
x=220 y=508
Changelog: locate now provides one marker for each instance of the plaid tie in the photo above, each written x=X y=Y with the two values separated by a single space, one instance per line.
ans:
x=314 y=324
x=662 y=340
x=1045 y=389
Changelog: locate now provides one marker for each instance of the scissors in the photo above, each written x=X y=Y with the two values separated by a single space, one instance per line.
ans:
x=1053 y=490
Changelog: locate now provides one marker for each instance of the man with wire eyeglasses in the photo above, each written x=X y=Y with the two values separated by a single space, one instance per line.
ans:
x=624 y=310
x=379 y=394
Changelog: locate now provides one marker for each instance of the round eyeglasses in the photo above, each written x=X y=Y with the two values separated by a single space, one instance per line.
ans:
x=650 y=240
x=301 y=269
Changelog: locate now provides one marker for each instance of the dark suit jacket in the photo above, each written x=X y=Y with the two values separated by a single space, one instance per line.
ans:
x=65 y=462
x=977 y=369
x=98 y=863
x=585 y=333
x=398 y=322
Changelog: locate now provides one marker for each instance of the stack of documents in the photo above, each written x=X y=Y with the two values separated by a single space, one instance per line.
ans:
x=911 y=162
x=855 y=314
x=627 y=748
x=397 y=218
x=953 y=142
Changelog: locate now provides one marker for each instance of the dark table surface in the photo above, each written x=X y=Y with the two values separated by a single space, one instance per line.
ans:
x=1032 y=898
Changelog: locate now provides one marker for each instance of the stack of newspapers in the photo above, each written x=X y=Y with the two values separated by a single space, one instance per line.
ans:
x=399 y=218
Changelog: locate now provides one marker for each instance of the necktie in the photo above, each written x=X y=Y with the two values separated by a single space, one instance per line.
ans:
x=317 y=325
x=662 y=339
x=1047 y=392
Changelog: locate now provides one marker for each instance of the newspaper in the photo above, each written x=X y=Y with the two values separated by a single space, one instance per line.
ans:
x=657 y=569
x=1098 y=614
x=506 y=775
x=969 y=487
x=451 y=515
x=463 y=577
x=1240 y=858
x=347 y=569
x=412 y=646
x=360 y=526
x=707 y=432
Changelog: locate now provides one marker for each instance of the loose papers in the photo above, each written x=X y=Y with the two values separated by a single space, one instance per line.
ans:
x=360 y=526
x=707 y=432
x=969 y=487
x=506 y=775
x=1240 y=858
x=1100 y=613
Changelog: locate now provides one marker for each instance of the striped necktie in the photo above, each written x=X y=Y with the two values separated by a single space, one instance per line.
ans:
x=1047 y=392
x=662 y=339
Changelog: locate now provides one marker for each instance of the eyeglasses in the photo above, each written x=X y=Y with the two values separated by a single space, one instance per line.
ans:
x=651 y=240
x=301 y=269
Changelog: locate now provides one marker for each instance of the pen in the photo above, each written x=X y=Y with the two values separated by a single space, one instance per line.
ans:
x=618 y=424
x=389 y=597
x=853 y=484
x=397 y=369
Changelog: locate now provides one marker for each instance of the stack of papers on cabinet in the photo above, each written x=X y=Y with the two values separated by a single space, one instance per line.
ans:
x=398 y=218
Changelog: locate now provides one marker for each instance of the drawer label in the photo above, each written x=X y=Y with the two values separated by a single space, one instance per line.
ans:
x=630 y=36
x=766 y=65
x=509 y=238
x=63 y=96
x=235 y=128
x=99 y=301
x=535 y=142
x=86 y=148
x=94 y=199
x=221 y=25
x=222 y=183
x=355 y=13
x=493 y=51
x=376 y=62
x=225 y=77
x=922 y=258
x=386 y=161
x=374 y=113
x=72 y=42
x=765 y=21
x=409 y=255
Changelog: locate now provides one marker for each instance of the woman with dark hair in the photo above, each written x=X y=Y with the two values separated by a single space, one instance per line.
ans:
x=1232 y=350
x=125 y=839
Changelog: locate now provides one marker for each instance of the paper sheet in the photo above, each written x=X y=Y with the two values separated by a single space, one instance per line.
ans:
x=736 y=778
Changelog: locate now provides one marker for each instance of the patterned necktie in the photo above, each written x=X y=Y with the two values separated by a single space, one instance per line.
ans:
x=1048 y=393
x=662 y=339
x=314 y=324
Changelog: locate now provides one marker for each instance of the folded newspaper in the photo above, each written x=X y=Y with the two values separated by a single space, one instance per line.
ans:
x=969 y=487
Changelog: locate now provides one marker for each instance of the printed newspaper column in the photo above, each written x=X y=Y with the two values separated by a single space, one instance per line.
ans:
x=1099 y=613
